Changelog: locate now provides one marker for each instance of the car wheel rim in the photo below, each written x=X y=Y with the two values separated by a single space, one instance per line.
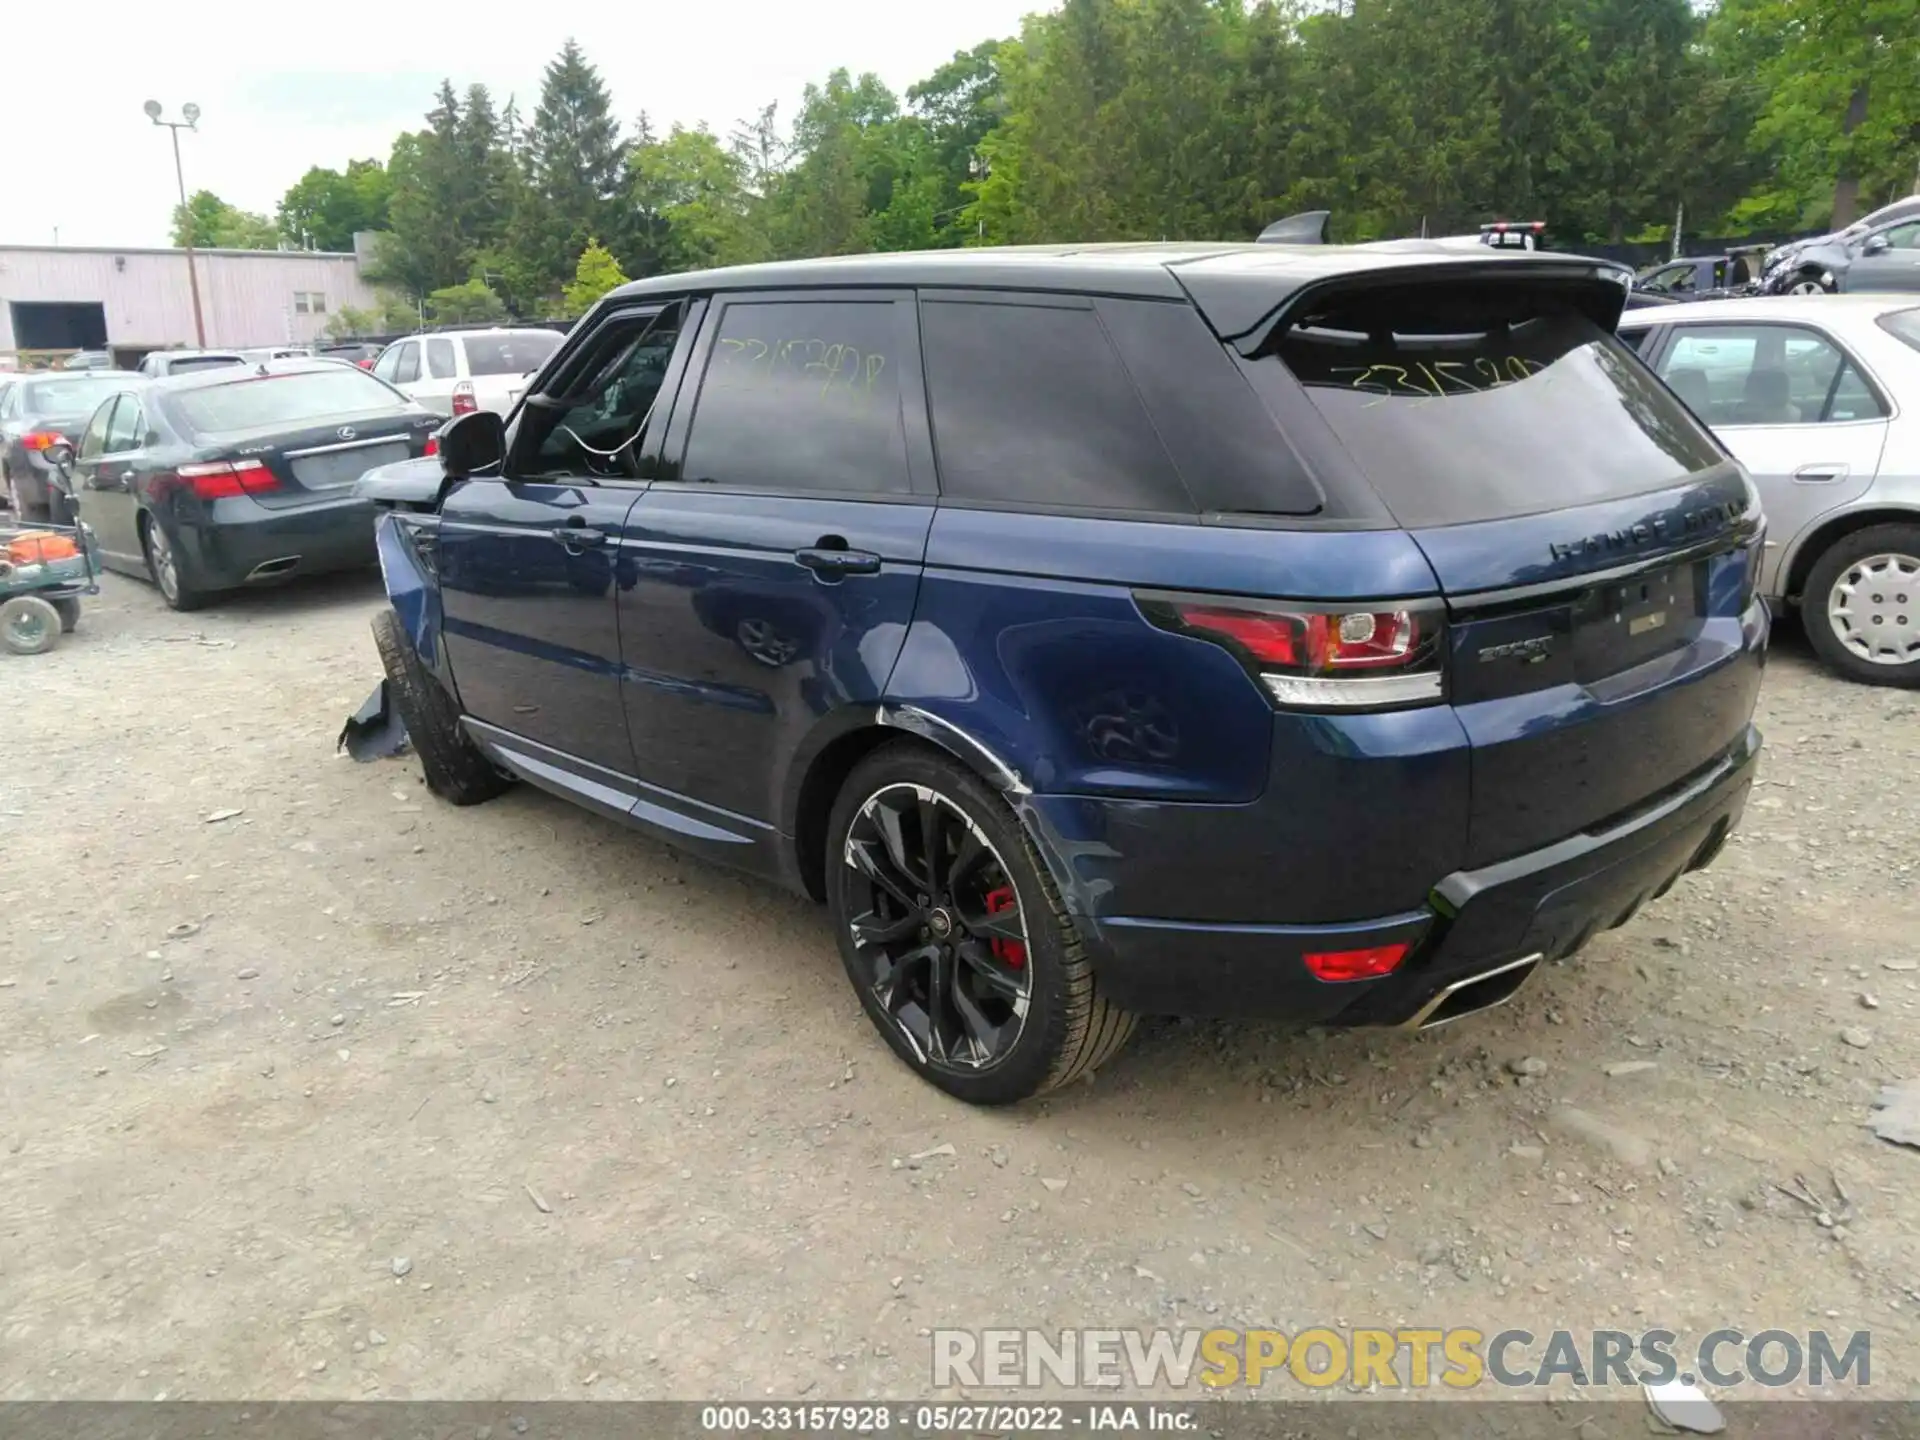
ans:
x=1806 y=287
x=938 y=929
x=1874 y=609
x=163 y=567
x=27 y=627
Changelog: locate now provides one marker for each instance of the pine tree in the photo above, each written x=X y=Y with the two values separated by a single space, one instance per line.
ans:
x=574 y=171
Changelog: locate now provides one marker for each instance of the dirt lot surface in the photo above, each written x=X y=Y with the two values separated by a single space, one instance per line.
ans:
x=351 y=1094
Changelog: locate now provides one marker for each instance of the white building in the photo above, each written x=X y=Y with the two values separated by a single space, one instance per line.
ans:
x=72 y=297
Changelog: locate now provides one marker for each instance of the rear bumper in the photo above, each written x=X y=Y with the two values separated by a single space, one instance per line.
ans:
x=1547 y=903
x=232 y=545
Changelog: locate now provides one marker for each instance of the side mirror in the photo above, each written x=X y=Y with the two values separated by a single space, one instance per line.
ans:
x=472 y=443
x=59 y=454
x=1877 y=245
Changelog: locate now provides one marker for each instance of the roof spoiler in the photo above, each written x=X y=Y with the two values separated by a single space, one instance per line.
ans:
x=1309 y=227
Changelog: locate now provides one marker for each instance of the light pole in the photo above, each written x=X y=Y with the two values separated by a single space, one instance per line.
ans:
x=189 y=120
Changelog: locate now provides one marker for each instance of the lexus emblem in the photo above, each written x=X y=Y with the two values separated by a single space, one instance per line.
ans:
x=346 y=432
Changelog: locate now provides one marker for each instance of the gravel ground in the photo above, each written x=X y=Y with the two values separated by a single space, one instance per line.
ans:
x=351 y=1094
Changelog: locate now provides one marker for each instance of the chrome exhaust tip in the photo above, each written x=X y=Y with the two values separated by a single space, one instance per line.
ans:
x=268 y=568
x=1474 y=993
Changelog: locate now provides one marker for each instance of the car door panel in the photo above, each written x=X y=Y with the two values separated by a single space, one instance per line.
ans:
x=529 y=568
x=761 y=601
x=108 y=503
x=1802 y=469
x=532 y=639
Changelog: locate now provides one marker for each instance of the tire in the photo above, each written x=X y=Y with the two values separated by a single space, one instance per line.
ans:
x=1808 y=284
x=1861 y=606
x=29 y=625
x=993 y=939
x=456 y=771
x=170 y=577
x=68 y=607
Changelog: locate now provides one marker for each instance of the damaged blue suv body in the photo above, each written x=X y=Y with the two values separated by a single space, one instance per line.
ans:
x=1324 y=634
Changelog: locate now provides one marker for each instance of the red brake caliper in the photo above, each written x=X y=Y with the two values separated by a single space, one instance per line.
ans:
x=1010 y=953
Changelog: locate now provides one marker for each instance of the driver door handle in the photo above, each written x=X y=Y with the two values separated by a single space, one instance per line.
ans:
x=579 y=537
x=835 y=564
x=1820 y=473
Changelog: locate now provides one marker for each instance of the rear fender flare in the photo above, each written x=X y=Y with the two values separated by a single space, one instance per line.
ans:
x=1055 y=848
x=413 y=591
x=835 y=746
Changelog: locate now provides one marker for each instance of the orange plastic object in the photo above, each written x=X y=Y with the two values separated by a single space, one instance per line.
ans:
x=37 y=547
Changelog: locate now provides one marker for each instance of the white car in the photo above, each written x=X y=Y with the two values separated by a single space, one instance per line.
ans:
x=456 y=372
x=1819 y=397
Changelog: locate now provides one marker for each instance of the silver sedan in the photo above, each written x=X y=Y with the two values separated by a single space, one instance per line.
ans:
x=1819 y=397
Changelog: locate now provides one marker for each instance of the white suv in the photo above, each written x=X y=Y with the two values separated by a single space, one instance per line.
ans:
x=459 y=371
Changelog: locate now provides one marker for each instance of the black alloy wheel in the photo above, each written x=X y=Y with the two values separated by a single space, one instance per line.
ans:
x=954 y=937
x=935 y=919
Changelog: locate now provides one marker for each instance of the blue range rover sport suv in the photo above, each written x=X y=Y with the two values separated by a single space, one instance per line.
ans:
x=1332 y=635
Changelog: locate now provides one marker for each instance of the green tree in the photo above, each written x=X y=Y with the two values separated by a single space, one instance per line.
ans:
x=471 y=303
x=325 y=209
x=694 y=191
x=351 y=320
x=208 y=223
x=596 y=274
x=574 y=174
x=1841 y=113
x=960 y=104
x=425 y=249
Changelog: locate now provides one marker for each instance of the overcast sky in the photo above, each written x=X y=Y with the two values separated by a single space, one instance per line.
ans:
x=282 y=88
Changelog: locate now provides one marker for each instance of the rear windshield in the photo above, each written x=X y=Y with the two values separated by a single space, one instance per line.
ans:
x=68 y=397
x=520 y=353
x=202 y=362
x=290 y=400
x=1473 y=402
x=1904 y=326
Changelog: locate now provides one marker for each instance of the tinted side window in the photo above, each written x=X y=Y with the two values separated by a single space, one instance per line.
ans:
x=1032 y=406
x=127 y=429
x=406 y=364
x=95 y=440
x=805 y=396
x=440 y=364
x=1225 y=446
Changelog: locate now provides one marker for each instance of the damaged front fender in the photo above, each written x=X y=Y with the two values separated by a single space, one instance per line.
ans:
x=406 y=546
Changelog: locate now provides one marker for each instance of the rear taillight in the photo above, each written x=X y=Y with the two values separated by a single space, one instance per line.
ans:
x=1314 y=659
x=41 y=440
x=433 y=445
x=224 y=479
x=1370 y=964
x=364 y=364
x=463 y=401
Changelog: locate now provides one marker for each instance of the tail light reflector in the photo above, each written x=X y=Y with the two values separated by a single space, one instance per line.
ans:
x=1309 y=659
x=41 y=440
x=1370 y=964
x=463 y=401
x=433 y=445
x=224 y=479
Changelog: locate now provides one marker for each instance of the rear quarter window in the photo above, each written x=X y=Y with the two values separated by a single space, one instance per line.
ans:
x=1467 y=402
x=1032 y=406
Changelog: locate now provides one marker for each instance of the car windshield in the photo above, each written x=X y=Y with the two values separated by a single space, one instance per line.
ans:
x=520 y=353
x=290 y=400
x=1904 y=326
x=68 y=397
